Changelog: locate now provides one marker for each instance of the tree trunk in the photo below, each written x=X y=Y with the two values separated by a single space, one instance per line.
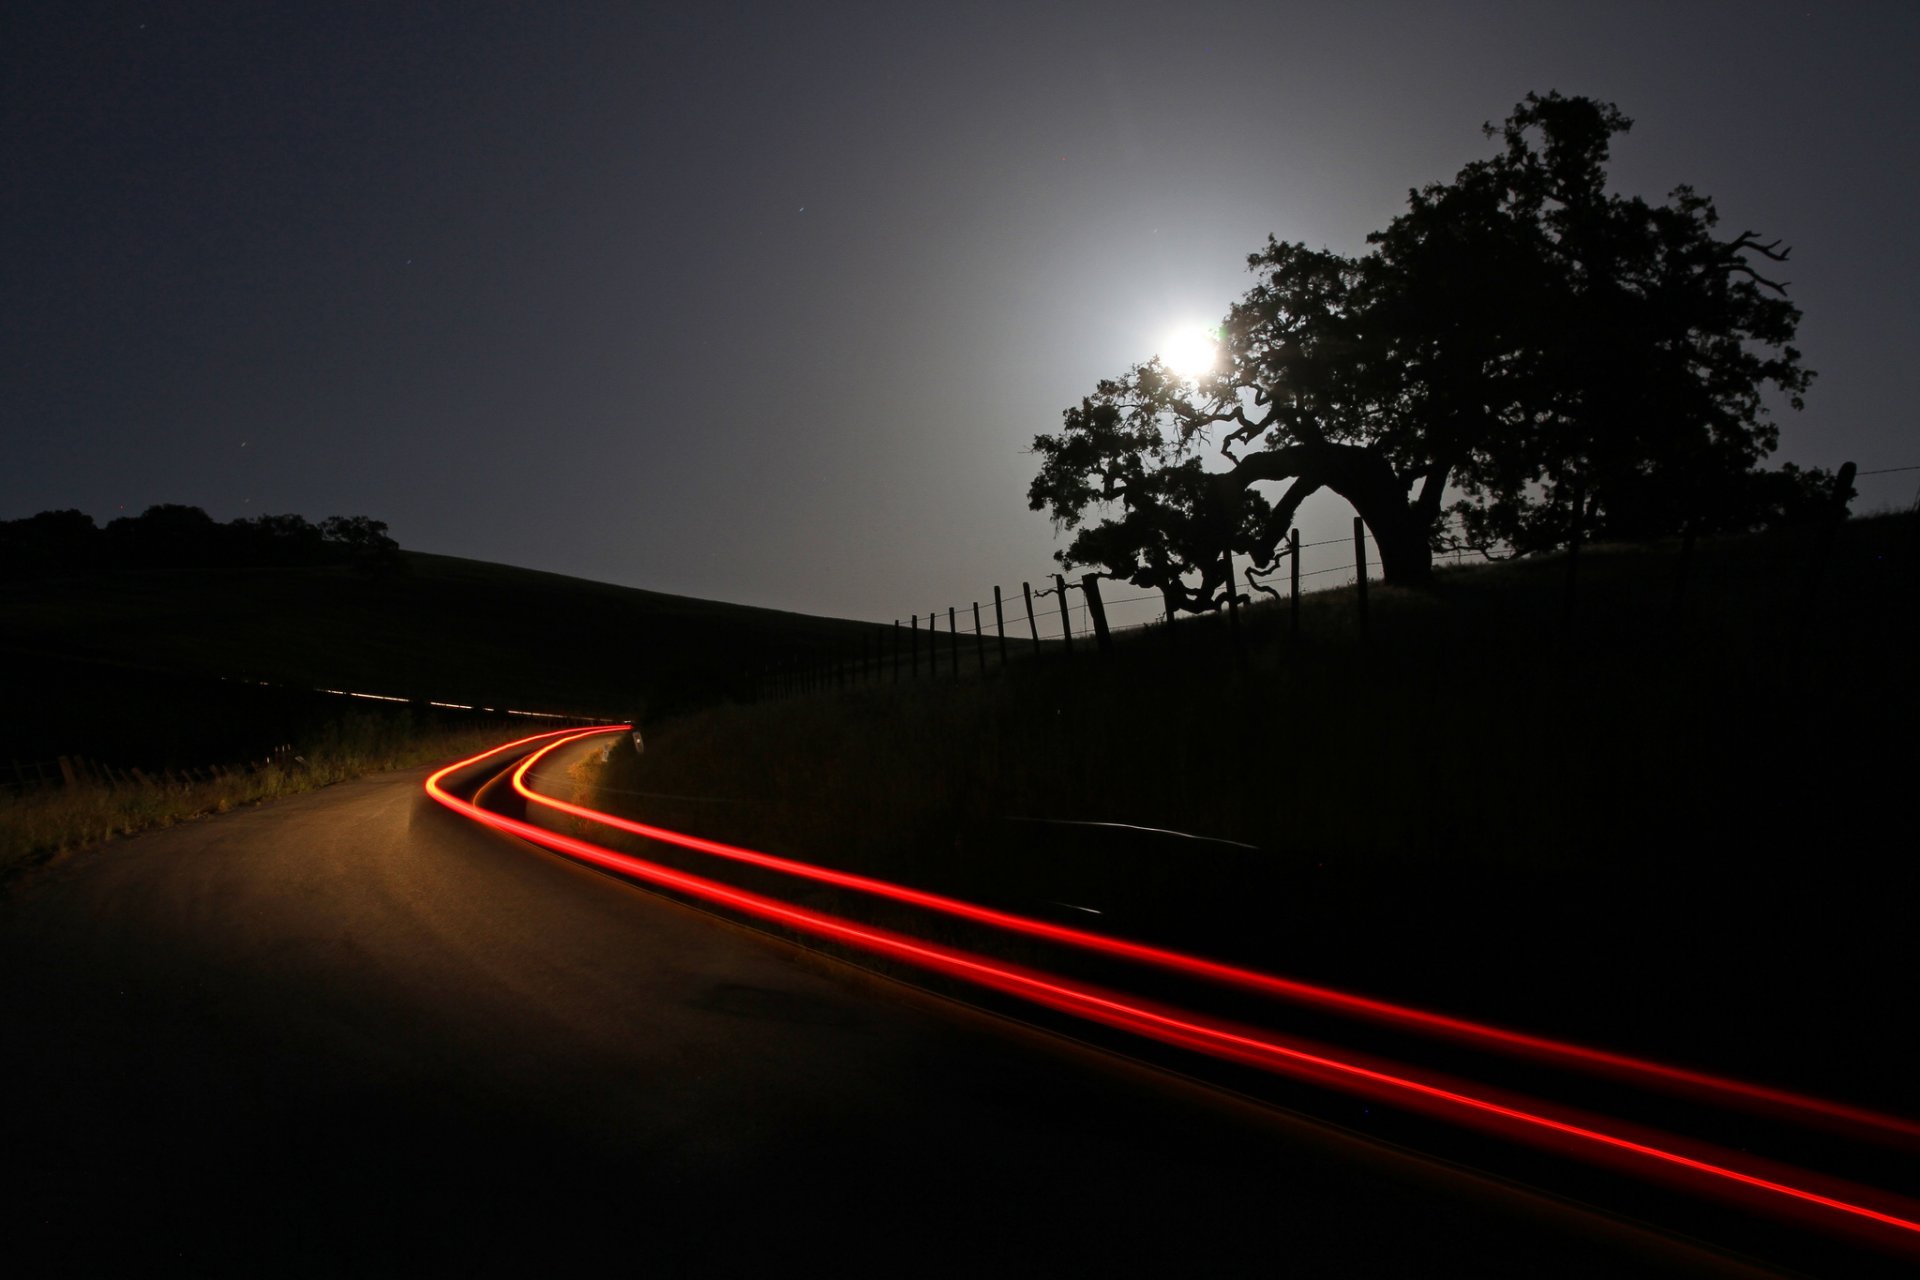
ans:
x=1363 y=478
x=1406 y=556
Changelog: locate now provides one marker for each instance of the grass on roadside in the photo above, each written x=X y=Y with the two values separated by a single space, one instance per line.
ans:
x=38 y=825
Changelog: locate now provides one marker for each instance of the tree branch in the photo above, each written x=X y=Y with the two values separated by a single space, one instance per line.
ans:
x=1751 y=240
x=1253 y=577
x=1778 y=286
x=1772 y=251
x=1426 y=507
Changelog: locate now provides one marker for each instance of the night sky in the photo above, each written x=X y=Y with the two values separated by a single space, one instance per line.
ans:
x=765 y=303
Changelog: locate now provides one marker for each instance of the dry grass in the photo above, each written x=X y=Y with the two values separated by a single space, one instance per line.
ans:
x=41 y=824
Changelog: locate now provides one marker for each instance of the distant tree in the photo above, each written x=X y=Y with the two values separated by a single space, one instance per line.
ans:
x=276 y=540
x=51 y=543
x=1517 y=337
x=173 y=536
x=365 y=541
x=166 y=535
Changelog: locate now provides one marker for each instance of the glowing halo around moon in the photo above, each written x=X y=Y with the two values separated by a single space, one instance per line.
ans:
x=1191 y=351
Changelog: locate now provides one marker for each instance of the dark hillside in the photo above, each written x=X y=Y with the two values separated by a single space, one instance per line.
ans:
x=1675 y=830
x=85 y=648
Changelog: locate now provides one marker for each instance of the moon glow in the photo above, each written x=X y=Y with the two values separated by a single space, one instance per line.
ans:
x=1190 y=352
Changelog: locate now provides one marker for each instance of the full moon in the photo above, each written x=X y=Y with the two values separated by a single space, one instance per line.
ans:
x=1190 y=352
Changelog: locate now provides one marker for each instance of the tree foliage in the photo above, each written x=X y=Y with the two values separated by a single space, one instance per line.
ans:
x=170 y=535
x=1519 y=349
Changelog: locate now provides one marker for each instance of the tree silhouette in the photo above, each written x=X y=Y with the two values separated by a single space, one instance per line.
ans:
x=365 y=540
x=173 y=536
x=1518 y=341
x=165 y=535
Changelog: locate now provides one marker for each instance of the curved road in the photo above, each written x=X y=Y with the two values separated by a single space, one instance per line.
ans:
x=351 y=1032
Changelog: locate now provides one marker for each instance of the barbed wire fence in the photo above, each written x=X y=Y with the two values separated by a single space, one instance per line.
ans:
x=1066 y=617
x=1069 y=617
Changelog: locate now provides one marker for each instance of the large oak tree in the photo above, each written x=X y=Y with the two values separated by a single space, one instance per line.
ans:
x=1518 y=350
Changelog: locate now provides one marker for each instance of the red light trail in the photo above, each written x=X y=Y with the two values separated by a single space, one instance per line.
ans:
x=1709 y=1171
x=1599 y=1061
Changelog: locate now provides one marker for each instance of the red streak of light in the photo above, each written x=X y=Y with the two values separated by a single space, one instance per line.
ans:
x=1594 y=1060
x=1170 y=1027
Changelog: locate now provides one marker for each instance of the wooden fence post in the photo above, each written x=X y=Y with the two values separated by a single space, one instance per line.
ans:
x=1026 y=593
x=1293 y=597
x=1090 y=584
x=896 y=651
x=914 y=640
x=1837 y=516
x=1360 y=567
x=1000 y=626
x=1066 y=619
x=1677 y=606
x=979 y=639
x=953 y=642
x=1576 y=518
x=1233 y=597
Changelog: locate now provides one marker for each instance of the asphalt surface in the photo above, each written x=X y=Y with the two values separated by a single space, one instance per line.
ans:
x=353 y=1033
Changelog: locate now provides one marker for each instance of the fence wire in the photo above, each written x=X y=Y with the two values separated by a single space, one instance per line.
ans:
x=1078 y=622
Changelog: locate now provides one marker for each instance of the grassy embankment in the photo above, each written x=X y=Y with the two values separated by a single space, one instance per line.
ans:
x=1667 y=832
x=40 y=824
x=158 y=669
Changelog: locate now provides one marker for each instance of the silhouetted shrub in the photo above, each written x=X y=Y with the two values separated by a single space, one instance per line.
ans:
x=174 y=536
x=53 y=543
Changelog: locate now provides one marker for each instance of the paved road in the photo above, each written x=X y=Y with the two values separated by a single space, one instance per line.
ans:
x=352 y=1033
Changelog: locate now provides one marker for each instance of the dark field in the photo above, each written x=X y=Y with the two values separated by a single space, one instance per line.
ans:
x=445 y=629
x=1670 y=830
